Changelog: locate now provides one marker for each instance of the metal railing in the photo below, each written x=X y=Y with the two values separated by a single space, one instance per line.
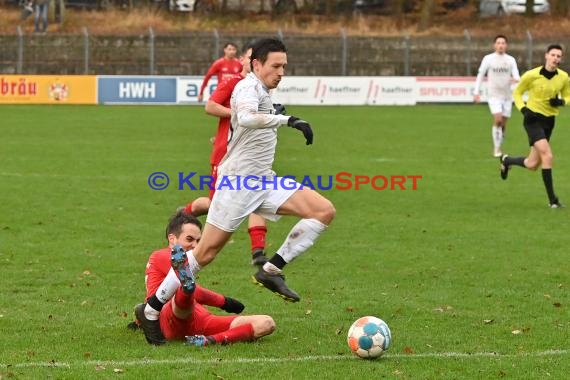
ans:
x=192 y=53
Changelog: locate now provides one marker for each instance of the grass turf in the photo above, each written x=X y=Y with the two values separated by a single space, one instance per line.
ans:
x=454 y=267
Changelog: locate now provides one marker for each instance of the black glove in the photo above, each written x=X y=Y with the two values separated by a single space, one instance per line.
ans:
x=557 y=102
x=279 y=109
x=232 y=306
x=303 y=126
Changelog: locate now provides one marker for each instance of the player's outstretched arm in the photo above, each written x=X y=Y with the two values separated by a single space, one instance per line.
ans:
x=565 y=92
x=480 y=75
x=303 y=126
x=210 y=73
x=214 y=109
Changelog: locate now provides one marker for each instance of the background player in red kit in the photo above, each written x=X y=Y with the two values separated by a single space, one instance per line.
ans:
x=223 y=67
x=185 y=317
x=219 y=105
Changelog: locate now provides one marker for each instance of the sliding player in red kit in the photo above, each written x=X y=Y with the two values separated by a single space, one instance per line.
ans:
x=184 y=316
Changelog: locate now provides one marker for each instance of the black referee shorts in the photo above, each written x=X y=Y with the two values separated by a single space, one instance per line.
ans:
x=538 y=127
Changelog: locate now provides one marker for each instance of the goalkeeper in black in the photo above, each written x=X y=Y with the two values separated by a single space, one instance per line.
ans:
x=548 y=89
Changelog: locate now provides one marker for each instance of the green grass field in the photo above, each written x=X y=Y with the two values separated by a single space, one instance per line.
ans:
x=455 y=268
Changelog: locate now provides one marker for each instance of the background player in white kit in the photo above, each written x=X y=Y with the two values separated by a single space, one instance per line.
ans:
x=501 y=71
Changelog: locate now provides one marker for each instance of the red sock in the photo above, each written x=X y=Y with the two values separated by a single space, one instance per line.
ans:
x=184 y=300
x=257 y=236
x=188 y=208
x=241 y=333
x=207 y=297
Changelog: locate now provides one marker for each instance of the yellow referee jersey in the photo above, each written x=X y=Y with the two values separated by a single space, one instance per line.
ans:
x=541 y=90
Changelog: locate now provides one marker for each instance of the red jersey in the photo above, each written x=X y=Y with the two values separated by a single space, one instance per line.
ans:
x=201 y=322
x=222 y=96
x=223 y=68
x=157 y=268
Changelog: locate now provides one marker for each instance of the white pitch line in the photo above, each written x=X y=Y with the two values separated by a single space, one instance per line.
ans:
x=315 y=358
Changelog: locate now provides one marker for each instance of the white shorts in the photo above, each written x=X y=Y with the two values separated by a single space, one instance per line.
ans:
x=234 y=201
x=500 y=105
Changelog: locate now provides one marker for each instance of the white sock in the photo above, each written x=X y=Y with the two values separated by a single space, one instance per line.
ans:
x=502 y=131
x=165 y=292
x=302 y=237
x=168 y=287
x=192 y=263
x=270 y=268
x=497 y=133
x=150 y=313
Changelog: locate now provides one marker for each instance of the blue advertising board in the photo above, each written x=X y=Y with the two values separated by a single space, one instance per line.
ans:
x=136 y=89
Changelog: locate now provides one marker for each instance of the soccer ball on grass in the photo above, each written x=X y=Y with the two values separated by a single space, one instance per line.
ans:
x=369 y=337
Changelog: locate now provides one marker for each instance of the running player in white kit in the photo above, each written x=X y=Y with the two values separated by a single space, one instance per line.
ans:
x=246 y=183
x=501 y=71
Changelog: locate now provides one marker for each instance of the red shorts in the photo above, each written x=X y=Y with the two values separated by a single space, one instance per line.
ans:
x=202 y=322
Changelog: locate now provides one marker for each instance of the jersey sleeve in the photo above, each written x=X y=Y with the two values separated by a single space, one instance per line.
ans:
x=210 y=73
x=247 y=101
x=481 y=73
x=565 y=91
x=223 y=92
x=515 y=70
x=156 y=269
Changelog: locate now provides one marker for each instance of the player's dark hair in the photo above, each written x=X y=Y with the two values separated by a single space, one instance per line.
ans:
x=230 y=44
x=554 y=46
x=261 y=48
x=178 y=220
x=501 y=36
x=246 y=47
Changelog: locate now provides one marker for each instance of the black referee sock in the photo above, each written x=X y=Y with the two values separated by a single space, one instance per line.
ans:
x=518 y=161
x=547 y=179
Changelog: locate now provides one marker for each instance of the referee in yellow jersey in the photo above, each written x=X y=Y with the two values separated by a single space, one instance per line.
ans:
x=548 y=89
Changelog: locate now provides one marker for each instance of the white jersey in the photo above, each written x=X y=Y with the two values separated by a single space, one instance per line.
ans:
x=251 y=149
x=500 y=69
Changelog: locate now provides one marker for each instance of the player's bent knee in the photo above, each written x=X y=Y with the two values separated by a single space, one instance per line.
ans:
x=546 y=158
x=330 y=212
x=326 y=212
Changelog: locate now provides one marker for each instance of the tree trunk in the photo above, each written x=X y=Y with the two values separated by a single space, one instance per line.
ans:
x=426 y=17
